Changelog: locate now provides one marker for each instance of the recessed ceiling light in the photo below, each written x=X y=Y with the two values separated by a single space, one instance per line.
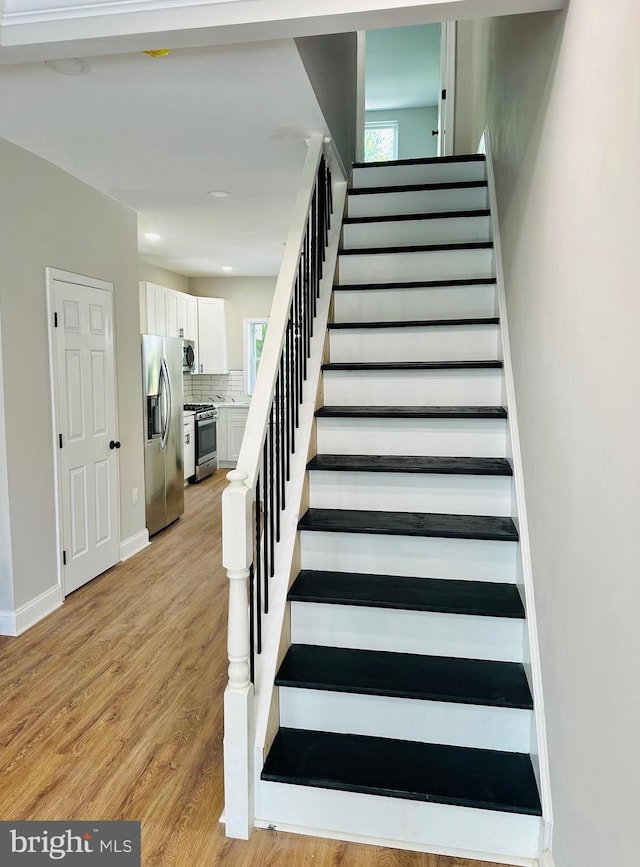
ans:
x=152 y=236
x=227 y=268
x=69 y=66
x=218 y=194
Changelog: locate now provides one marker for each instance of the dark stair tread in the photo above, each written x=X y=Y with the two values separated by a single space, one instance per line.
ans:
x=413 y=365
x=485 y=412
x=484 y=779
x=445 y=596
x=431 y=215
x=410 y=524
x=412 y=464
x=405 y=675
x=418 y=284
x=414 y=188
x=416 y=323
x=417 y=248
x=417 y=161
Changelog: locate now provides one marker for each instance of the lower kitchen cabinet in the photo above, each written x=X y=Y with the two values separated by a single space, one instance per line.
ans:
x=189 y=445
x=231 y=424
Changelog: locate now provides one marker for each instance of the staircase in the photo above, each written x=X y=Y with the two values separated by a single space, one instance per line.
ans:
x=405 y=713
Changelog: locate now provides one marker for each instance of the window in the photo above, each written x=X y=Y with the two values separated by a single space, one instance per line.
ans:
x=380 y=141
x=255 y=331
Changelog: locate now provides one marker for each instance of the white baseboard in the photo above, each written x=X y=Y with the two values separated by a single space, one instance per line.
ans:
x=134 y=544
x=398 y=844
x=20 y=619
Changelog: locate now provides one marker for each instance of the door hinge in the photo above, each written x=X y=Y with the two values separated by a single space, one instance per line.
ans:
x=60 y=439
x=55 y=320
x=64 y=558
x=444 y=94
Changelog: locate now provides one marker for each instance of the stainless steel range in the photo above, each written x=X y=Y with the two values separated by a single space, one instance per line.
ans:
x=206 y=439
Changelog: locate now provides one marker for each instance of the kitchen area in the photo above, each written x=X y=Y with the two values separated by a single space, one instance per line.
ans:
x=199 y=392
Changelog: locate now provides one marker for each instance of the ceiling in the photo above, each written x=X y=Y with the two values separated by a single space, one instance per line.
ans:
x=402 y=67
x=159 y=133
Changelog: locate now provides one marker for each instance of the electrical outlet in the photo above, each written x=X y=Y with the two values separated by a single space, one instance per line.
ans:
x=135 y=496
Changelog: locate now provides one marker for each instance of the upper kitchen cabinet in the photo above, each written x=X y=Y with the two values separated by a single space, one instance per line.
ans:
x=212 y=335
x=167 y=312
x=155 y=309
x=191 y=332
x=178 y=324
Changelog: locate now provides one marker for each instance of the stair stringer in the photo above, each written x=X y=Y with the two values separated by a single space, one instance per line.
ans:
x=276 y=624
x=524 y=569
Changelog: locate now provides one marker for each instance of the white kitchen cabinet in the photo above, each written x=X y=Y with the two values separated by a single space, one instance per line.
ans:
x=189 y=445
x=231 y=424
x=236 y=423
x=172 y=313
x=182 y=302
x=212 y=336
x=167 y=312
x=155 y=306
x=191 y=331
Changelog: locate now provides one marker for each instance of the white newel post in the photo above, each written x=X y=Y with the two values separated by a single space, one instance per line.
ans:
x=237 y=550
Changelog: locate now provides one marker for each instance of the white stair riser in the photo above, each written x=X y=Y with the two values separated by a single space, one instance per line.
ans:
x=435 y=722
x=430 y=265
x=391 y=233
x=435 y=343
x=399 y=822
x=404 y=492
x=417 y=202
x=466 y=387
x=390 y=305
x=397 y=631
x=425 y=173
x=413 y=436
x=418 y=556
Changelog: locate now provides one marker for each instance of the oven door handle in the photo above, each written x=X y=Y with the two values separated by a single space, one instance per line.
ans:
x=166 y=403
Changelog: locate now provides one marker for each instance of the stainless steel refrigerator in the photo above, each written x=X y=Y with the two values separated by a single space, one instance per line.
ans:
x=163 y=430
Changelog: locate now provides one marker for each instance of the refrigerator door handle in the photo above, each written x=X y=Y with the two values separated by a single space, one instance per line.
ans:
x=166 y=403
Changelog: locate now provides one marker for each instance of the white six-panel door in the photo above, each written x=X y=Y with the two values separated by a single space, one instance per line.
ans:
x=86 y=415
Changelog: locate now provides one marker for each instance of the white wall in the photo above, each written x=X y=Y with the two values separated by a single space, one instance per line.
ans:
x=6 y=565
x=414 y=130
x=331 y=64
x=163 y=277
x=48 y=218
x=249 y=297
x=569 y=191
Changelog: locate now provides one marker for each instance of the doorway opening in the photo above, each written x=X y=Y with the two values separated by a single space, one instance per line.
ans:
x=409 y=81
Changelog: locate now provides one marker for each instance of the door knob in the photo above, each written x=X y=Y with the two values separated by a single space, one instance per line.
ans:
x=434 y=132
x=114 y=444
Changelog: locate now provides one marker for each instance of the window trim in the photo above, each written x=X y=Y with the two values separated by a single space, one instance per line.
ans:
x=250 y=371
x=384 y=124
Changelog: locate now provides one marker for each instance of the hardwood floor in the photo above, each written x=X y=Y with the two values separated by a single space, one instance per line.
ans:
x=112 y=709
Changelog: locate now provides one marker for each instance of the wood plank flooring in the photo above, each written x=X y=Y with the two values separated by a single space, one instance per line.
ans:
x=111 y=708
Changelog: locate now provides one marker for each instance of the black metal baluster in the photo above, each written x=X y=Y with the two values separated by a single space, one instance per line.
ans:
x=258 y=572
x=284 y=453
x=330 y=198
x=265 y=525
x=310 y=311
x=314 y=249
x=287 y=418
x=321 y=220
x=252 y=601
x=294 y=382
x=272 y=550
x=302 y=359
x=275 y=413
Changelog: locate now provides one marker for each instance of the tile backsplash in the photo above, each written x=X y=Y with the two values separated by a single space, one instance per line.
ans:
x=225 y=386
